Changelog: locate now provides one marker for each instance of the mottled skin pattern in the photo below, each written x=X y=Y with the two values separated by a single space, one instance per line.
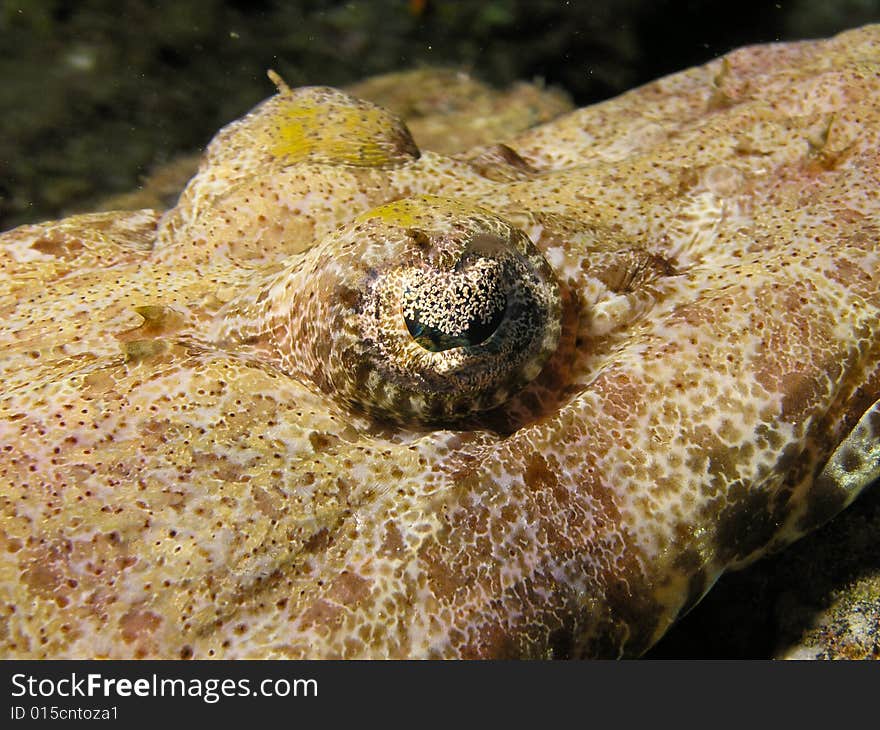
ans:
x=180 y=479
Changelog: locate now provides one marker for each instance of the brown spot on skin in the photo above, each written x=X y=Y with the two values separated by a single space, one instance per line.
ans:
x=322 y=441
x=218 y=465
x=126 y=562
x=136 y=625
x=493 y=642
x=321 y=615
x=266 y=503
x=620 y=395
x=42 y=578
x=349 y=589
x=317 y=542
x=98 y=383
x=62 y=247
x=392 y=544
x=443 y=580
x=9 y=544
x=349 y=298
x=802 y=393
x=749 y=520
x=538 y=476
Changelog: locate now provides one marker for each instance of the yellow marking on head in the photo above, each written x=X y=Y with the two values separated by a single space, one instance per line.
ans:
x=307 y=129
x=403 y=213
x=417 y=210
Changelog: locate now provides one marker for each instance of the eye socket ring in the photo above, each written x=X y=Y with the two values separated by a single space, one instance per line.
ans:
x=420 y=312
x=464 y=314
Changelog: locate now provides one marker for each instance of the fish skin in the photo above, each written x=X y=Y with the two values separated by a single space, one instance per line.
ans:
x=713 y=396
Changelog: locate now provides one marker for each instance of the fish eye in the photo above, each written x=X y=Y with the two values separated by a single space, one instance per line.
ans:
x=456 y=311
x=419 y=312
x=463 y=308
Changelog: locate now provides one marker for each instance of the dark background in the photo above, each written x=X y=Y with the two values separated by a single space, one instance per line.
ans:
x=96 y=93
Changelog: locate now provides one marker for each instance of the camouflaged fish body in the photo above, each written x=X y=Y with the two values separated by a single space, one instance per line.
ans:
x=353 y=399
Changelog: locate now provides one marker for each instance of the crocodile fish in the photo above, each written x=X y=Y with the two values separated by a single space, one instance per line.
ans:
x=350 y=398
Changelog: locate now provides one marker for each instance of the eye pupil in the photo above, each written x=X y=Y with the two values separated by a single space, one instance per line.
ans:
x=479 y=331
x=435 y=339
